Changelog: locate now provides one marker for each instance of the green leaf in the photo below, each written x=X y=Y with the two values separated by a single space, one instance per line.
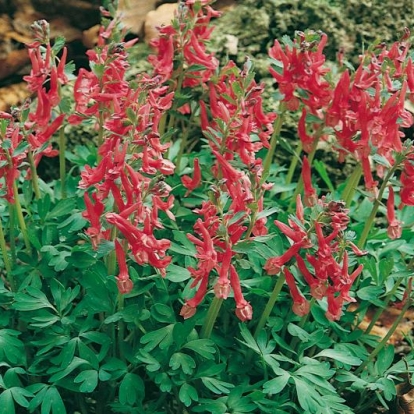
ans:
x=203 y=347
x=53 y=403
x=161 y=337
x=214 y=407
x=385 y=359
x=181 y=332
x=370 y=293
x=162 y=313
x=131 y=390
x=152 y=364
x=31 y=300
x=307 y=396
x=74 y=222
x=7 y=403
x=62 y=208
x=341 y=356
x=21 y=148
x=58 y=44
x=183 y=361
x=276 y=385
x=164 y=382
x=176 y=248
x=187 y=394
x=295 y=330
x=89 y=380
x=11 y=347
x=248 y=337
x=177 y=274
x=114 y=367
x=20 y=396
x=76 y=362
x=321 y=169
x=217 y=386
x=81 y=260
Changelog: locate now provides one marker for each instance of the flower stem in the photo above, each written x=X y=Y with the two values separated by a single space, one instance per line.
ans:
x=384 y=340
x=211 y=317
x=6 y=259
x=62 y=162
x=311 y=156
x=35 y=179
x=121 y=328
x=20 y=218
x=377 y=203
x=12 y=241
x=273 y=142
x=292 y=167
x=270 y=304
x=352 y=184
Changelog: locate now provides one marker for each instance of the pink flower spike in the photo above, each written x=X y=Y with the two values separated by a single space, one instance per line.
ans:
x=301 y=306
x=310 y=193
x=394 y=229
x=192 y=183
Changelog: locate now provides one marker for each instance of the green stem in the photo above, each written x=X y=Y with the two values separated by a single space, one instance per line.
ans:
x=35 y=178
x=384 y=340
x=211 y=317
x=12 y=240
x=292 y=168
x=6 y=259
x=184 y=139
x=377 y=203
x=379 y=311
x=62 y=162
x=111 y=259
x=20 y=218
x=270 y=304
x=311 y=156
x=352 y=184
x=121 y=328
x=273 y=142
x=180 y=79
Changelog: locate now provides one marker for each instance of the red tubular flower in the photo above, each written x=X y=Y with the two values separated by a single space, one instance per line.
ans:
x=307 y=140
x=335 y=303
x=190 y=307
x=124 y=283
x=300 y=306
x=296 y=235
x=394 y=229
x=192 y=183
x=244 y=310
x=274 y=264
x=222 y=287
x=310 y=194
x=317 y=287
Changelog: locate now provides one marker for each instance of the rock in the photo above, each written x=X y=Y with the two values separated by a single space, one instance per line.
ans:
x=134 y=12
x=13 y=95
x=157 y=18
